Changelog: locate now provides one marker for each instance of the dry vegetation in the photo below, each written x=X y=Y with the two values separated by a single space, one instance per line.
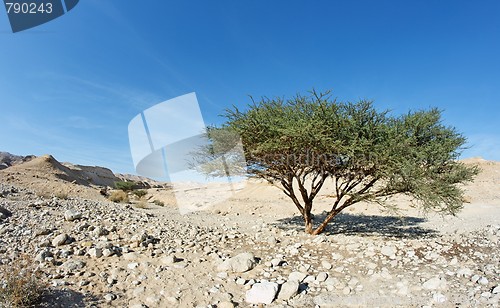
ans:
x=20 y=284
x=119 y=196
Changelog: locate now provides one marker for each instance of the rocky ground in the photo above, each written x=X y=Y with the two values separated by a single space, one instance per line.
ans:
x=97 y=253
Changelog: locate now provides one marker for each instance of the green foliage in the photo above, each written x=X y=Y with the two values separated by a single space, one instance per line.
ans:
x=371 y=155
x=159 y=203
x=125 y=186
x=140 y=193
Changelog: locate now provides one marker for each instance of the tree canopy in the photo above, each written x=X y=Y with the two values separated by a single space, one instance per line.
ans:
x=301 y=142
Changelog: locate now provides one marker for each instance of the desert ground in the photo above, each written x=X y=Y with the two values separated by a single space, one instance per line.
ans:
x=247 y=251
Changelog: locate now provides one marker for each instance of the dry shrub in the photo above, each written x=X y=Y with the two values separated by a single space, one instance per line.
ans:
x=62 y=195
x=20 y=283
x=142 y=204
x=119 y=196
x=467 y=199
x=44 y=193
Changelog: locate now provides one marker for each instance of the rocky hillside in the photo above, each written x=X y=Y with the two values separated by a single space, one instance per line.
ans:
x=8 y=160
x=249 y=251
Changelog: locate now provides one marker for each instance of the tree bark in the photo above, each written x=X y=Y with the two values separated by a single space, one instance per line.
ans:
x=308 y=221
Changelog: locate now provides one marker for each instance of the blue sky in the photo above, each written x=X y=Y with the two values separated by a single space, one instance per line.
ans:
x=71 y=86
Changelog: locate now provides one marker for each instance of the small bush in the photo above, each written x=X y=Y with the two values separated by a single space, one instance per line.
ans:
x=119 y=196
x=62 y=195
x=20 y=284
x=141 y=204
x=140 y=193
x=44 y=194
x=159 y=203
x=125 y=186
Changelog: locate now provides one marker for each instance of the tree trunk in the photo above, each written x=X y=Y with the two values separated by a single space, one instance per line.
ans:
x=308 y=222
x=325 y=222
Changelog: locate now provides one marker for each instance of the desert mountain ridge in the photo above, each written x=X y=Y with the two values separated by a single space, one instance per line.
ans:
x=47 y=173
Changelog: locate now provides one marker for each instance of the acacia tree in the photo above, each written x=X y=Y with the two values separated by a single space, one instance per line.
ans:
x=300 y=143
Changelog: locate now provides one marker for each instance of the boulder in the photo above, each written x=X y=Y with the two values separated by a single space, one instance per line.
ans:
x=238 y=264
x=289 y=289
x=60 y=240
x=262 y=293
x=71 y=215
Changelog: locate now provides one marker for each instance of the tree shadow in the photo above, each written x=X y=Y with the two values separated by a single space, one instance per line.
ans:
x=61 y=298
x=364 y=225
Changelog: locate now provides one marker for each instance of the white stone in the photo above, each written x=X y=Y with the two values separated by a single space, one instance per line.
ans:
x=297 y=276
x=434 y=284
x=439 y=298
x=95 y=252
x=240 y=281
x=326 y=265
x=262 y=293
x=275 y=262
x=346 y=291
x=288 y=290
x=60 y=240
x=132 y=265
x=71 y=215
x=482 y=280
x=388 y=251
x=169 y=260
x=321 y=277
x=238 y=264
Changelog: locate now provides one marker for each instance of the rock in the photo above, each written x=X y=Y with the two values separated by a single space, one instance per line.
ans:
x=240 y=281
x=346 y=290
x=42 y=255
x=272 y=240
x=275 y=262
x=73 y=265
x=388 y=251
x=288 y=290
x=321 y=277
x=262 y=293
x=434 y=284
x=464 y=272
x=71 y=215
x=100 y=231
x=238 y=264
x=225 y=305
x=496 y=290
x=482 y=280
x=60 y=240
x=222 y=275
x=4 y=213
x=332 y=281
x=326 y=265
x=169 y=260
x=133 y=265
x=439 y=298
x=109 y=297
x=95 y=252
x=107 y=252
x=297 y=276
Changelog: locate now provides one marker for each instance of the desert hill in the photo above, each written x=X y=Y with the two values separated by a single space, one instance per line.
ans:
x=46 y=175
